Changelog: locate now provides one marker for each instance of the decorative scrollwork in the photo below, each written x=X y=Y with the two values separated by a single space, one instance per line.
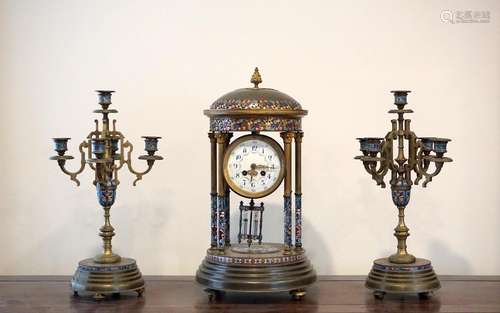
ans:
x=73 y=175
x=128 y=161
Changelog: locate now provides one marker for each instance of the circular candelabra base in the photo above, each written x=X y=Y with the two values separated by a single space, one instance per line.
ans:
x=277 y=271
x=101 y=279
x=414 y=278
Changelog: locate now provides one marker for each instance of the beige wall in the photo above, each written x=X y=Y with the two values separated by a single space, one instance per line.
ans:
x=169 y=60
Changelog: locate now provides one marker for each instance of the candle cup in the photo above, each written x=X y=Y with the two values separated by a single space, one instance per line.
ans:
x=151 y=144
x=99 y=147
x=427 y=144
x=370 y=145
x=61 y=145
x=440 y=145
x=104 y=97
x=114 y=146
x=400 y=97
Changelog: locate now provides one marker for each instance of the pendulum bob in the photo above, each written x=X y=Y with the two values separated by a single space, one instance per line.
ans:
x=402 y=273
x=250 y=228
x=107 y=273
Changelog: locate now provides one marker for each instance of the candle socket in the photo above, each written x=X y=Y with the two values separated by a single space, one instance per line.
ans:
x=151 y=144
x=99 y=147
x=61 y=145
x=115 y=147
x=104 y=98
x=370 y=145
x=400 y=98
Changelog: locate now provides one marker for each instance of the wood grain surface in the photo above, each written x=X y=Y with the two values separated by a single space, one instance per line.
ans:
x=49 y=294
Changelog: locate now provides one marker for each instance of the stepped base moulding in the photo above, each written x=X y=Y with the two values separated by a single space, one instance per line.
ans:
x=414 y=278
x=273 y=270
x=101 y=279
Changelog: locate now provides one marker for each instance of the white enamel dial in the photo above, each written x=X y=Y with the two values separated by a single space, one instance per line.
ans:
x=253 y=166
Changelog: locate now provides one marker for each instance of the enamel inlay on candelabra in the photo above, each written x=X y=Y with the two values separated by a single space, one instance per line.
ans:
x=105 y=150
x=254 y=166
x=402 y=272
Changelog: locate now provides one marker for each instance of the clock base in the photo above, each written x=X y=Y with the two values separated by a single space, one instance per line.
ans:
x=276 y=271
x=414 y=278
x=100 y=279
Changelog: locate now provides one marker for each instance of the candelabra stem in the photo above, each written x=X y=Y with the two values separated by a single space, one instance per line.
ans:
x=401 y=232
x=107 y=232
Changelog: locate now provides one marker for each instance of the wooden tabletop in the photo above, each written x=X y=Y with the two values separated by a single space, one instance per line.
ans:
x=43 y=294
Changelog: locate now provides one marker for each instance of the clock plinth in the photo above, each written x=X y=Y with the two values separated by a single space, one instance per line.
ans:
x=275 y=271
x=253 y=166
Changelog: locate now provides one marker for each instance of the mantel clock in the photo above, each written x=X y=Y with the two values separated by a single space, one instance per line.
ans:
x=254 y=166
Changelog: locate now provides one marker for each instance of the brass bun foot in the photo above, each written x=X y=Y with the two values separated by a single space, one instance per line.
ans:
x=277 y=271
x=415 y=278
x=214 y=295
x=99 y=280
x=298 y=294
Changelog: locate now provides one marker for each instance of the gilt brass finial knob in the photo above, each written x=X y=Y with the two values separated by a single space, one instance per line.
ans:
x=256 y=79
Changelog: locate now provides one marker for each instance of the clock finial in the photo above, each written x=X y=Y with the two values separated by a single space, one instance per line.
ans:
x=256 y=79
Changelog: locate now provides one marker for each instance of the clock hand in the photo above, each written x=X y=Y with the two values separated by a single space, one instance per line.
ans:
x=262 y=166
x=255 y=166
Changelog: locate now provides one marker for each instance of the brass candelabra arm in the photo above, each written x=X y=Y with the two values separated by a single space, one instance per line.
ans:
x=377 y=157
x=370 y=164
x=151 y=148
x=428 y=176
x=424 y=158
x=61 y=146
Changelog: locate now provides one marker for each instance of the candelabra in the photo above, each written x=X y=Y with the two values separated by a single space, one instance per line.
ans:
x=106 y=151
x=402 y=273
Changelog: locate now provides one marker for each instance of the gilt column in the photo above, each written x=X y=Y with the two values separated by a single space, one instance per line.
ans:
x=287 y=196
x=227 y=204
x=213 y=190
x=298 y=189
x=221 y=191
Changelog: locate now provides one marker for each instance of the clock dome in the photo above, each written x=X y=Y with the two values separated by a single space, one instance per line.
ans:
x=255 y=109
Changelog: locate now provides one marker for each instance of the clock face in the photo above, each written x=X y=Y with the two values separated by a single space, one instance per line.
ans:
x=254 y=166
